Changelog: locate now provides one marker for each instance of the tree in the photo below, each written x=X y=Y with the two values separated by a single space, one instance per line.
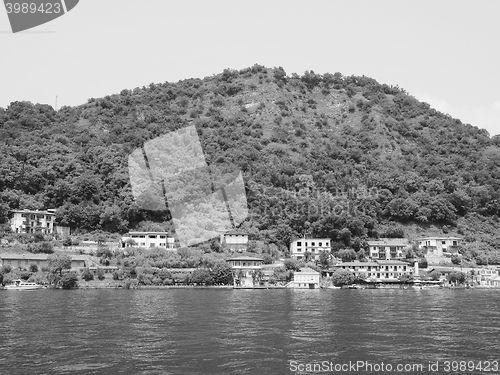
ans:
x=33 y=268
x=455 y=259
x=291 y=264
x=87 y=275
x=435 y=275
x=342 y=277
x=456 y=277
x=56 y=265
x=100 y=274
x=347 y=255
x=201 y=276
x=222 y=274
x=257 y=277
x=406 y=278
x=324 y=259
x=69 y=280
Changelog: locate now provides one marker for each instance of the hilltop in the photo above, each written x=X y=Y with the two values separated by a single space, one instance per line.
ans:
x=328 y=155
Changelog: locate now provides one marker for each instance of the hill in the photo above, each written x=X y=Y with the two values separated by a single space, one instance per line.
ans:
x=327 y=155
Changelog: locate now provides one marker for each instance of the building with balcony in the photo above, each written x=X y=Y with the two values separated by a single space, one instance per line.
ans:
x=388 y=248
x=380 y=270
x=234 y=241
x=247 y=271
x=32 y=221
x=148 y=239
x=309 y=248
x=436 y=246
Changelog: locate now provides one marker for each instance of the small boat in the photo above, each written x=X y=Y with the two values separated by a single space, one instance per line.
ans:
x=23 y=285
x=333 y=287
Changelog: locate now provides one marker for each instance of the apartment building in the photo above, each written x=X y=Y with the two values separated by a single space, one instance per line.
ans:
x=32 y=221
x=309 y=247
x=148 y=239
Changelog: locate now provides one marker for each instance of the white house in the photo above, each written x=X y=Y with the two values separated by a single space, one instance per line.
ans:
x=379 y=270
x=32 y=221
x=387 y=248
x=436 y=246
x=148 y=239
x=312 y=247
x=305 y=278
x=234 y=240
x=247 y=271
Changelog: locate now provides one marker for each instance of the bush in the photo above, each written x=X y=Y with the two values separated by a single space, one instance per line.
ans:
x=41 y=247
x=69 y=280
x=100 y=274
x=342 y=277
x=33 y=268
x=6 y=269
x=118 y=275
x=87 y=275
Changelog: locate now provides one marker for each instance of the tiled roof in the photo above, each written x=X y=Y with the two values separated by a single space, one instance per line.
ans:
x=439 y=238
x=392 y=263
x=308 y=270
x=388 y=242
x=357 y=264
x=24 y=256
x=243 y=258
x=37 y=257
x=26 y=211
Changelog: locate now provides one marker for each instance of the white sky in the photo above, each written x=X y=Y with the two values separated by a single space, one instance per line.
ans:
x=444 y=52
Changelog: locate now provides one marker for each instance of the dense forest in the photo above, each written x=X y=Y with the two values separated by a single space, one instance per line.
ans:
x=324 y=155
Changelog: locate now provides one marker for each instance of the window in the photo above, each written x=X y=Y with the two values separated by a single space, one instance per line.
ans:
x=32 y=217
x=312 y=243
x=327 y=243
x=320 y=244
x=152 y=236
x=23 y=215
x=161 y=236
x=299 y=243
x=455 y=243
x=443 y=242
x=48 y=225
x=48 y=218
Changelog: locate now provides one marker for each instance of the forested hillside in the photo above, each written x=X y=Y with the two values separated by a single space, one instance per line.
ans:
x=326 y=155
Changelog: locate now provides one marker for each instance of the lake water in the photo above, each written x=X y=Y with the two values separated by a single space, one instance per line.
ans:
x=208 y=331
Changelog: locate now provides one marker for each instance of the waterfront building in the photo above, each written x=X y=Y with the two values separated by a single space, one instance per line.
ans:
x=309 y=248
x=247 y=271
x=387 y=248
x=437 y=246
x=494 y=282
x=24 y=261
x=148 y=239
x=305 y=278
x=32 y=221
x=381 y=270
